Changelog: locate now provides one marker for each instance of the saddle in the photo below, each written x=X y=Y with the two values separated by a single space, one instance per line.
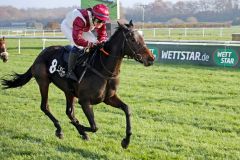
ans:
x=58 y=64
x=82 y=59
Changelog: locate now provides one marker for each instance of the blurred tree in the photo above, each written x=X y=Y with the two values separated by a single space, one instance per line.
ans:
x=35 y=25
x=192 y=20
x=175 y=21
x=205 y=5
x=52 y=25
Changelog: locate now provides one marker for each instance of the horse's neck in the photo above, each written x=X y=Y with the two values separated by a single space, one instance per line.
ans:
x=113 y=62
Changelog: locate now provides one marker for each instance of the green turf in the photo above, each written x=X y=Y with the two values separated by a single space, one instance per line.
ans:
x=178 y=112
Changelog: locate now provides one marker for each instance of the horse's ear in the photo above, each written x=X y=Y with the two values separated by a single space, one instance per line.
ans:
x=121 y=25
x=130 y=23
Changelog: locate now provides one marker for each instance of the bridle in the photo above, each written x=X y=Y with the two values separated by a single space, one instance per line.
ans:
x=135 y=55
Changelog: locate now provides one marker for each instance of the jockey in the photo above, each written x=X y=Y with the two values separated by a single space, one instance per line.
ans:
x=77 y=27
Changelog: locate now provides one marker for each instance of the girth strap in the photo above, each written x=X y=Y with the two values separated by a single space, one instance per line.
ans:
x=98 y=73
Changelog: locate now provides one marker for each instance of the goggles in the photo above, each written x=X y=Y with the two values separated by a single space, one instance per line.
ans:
x=99 y=21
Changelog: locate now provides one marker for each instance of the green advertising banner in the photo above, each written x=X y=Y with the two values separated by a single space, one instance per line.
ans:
x=112 y=5
x=199 y=54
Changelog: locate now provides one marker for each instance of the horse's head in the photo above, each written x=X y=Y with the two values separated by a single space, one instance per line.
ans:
x=134 y=45
x=3 y=50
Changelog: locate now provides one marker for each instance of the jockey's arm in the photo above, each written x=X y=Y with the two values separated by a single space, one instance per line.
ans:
x=102 y=33
x=78 y=25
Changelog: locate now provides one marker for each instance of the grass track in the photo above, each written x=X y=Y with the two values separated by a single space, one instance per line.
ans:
x=178 y=112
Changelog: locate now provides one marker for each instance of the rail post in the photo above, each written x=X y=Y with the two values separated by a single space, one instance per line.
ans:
x=19 y=45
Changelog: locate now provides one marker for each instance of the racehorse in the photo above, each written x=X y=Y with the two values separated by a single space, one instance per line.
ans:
x=3 y=50
x=99 y=83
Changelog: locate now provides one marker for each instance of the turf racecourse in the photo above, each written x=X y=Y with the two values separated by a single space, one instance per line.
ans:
x=178 y=112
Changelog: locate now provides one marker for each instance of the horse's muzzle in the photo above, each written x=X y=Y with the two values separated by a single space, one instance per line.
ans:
x=148 y=62
x=4 y=56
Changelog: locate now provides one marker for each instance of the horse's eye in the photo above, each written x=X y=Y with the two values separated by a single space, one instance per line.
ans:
x=133 y=39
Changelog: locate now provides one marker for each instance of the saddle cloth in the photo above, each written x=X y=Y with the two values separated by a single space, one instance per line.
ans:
x=59 y=63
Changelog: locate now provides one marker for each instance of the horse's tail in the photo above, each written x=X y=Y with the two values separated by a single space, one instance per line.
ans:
x=18 y=80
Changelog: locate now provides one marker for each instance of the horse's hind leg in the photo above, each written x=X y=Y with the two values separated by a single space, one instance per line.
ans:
x=43 y=86
x=117 y=103
x=71 y=115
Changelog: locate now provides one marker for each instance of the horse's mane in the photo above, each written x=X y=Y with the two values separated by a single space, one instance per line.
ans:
x=117 y=29
x=106 y=45
x=98 y=58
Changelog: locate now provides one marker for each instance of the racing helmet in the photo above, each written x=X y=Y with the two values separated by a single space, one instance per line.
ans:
x=101 y=12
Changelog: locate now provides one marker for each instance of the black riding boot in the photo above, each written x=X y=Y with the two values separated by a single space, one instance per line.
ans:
x=71 y=65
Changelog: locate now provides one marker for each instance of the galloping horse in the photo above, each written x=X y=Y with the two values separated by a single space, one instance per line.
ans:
x=99 y=83
x=3 y=50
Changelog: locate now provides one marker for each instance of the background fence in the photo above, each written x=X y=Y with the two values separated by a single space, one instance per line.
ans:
x=202 y=52
x=191 y=33
x=30 y=32
x=153 y=33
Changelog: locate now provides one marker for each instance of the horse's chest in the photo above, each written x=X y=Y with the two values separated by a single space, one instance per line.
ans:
x=108 y=91
x=100 y=92
x=111 y=88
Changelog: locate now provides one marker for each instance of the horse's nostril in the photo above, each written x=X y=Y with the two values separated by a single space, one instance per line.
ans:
x=151 y=58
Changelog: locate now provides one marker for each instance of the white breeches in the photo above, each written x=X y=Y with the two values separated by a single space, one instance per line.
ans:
x=88 y=36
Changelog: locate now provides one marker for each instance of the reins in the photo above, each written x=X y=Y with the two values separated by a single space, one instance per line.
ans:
x=88 y=66
x=113 y=76
x=99 y=74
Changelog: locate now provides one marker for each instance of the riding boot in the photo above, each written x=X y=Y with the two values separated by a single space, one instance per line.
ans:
x=71 y=65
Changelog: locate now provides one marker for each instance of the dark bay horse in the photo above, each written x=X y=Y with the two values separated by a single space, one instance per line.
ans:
x=3 y=50
x=99 y=84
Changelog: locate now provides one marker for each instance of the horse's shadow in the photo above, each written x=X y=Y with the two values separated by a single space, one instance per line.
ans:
x=58 y=147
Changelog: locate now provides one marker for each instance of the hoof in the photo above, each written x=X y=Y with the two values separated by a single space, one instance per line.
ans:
x=59 y=135
x=125 y=143
x=85 y=137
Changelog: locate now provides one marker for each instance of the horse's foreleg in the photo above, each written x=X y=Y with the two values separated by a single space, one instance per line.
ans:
x=70 y=113
x=43 y=86
x=117 y=103
x=88 y=111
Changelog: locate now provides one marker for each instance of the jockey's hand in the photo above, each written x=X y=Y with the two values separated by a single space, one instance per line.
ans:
x=96 y=44
x=101 y=44
x=93 y=45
